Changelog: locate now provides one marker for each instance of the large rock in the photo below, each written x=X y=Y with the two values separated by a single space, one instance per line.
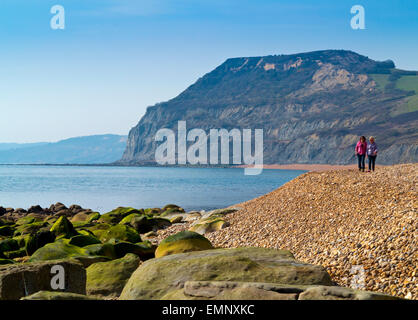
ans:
x=38 y=240
x=63 y=228
x=116 y=215
x=122 y=233
x=181 y=242
x=109 y=278
x=156 y=278
x=20 y=280
x=61 y=249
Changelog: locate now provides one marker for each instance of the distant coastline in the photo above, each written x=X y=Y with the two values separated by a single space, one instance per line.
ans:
x=292 y=166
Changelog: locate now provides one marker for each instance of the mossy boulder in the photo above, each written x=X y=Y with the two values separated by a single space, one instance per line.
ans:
x=171 y=209
x=15 y=253
x=57 y=295
x=9 y=245
x=145 y=250
x=27 y=220
x=172 y=206
x=209 y=226
x=59 y=249
x=122 y=233
x=181 y=242
x=7 y=230
x=153 y=211
x=116 y=215
x=6 y=261
x=146 y=224
x=128 y=219
x=98 y=229
x=159 y=277
x=83 y=240
x=93 y=216
x=102 y=249
x=85 y=216
x=108 y=278
x=31 y=228
x=22 y=279
x=63 y=228
x=38 y=240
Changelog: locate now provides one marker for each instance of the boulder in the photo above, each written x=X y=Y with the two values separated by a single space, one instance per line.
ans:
x=181 y=242
x=145 y=224
x=85 y=216
x=38 y=240
x=31 y=228
x=35 y=209
x=15 y=253
x=159 y=277
x=83 y=240
x=98 y=229
x=19 y=280
x=102 y=249
x=209 y=226
x=116 y=215
x=57 y=207
x=28 y=220
x=6 y=261
x=8 y=245
x=63 y=228
x=7 y=231
x=57 y=295
x=61 y=249
x=109 y=278
x=144 y=250
x=122 y=233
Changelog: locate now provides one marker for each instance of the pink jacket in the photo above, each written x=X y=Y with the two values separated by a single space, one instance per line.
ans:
x=361 y=147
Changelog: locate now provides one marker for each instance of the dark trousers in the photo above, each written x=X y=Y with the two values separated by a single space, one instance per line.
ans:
x=361 y=161
x=372 y=162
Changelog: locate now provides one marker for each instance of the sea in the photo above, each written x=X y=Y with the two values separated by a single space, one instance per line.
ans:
x=103 y=188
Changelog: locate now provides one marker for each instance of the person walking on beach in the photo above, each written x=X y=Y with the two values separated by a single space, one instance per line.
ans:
x=360 y=152
x=372 y=153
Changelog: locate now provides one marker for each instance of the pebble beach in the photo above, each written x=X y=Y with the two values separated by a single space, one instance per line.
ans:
x=362 y=227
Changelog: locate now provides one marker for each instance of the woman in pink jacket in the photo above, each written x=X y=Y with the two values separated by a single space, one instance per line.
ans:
x=360 y=152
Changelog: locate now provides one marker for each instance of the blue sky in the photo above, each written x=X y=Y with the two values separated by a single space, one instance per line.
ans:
x=116 y=57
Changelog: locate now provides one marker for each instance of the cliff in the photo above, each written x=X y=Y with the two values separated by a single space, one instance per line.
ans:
x=311 y=106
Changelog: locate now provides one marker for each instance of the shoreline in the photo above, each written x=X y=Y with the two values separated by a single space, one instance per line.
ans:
x=294 y=166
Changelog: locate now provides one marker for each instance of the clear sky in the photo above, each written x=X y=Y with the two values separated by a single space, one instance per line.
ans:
x=116 y=57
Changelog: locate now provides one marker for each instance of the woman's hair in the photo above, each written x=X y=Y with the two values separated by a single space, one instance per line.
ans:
x=372 y=138
x=363 y=138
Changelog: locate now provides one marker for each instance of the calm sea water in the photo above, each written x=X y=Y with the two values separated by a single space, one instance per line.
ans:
x=105 y=188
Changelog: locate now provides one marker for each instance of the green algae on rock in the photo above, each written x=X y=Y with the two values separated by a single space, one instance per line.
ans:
x=108 y=278
x=63 y=228
x=181 y=242
x=122 y=233
x=156 y=278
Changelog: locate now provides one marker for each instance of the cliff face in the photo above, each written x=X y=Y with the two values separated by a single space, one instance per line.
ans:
x=311 y=106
